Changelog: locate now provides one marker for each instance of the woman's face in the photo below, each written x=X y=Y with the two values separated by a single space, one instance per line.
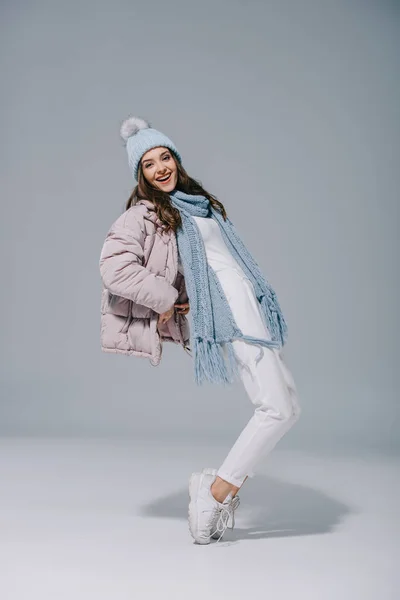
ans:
x=159 y=168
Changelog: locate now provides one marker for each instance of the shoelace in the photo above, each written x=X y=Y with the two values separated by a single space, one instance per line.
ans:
x=226 y=512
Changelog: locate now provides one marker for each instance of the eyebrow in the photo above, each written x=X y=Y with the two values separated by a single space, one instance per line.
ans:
x=162 y=154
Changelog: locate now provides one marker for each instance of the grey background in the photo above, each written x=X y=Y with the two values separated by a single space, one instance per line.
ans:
x=288 y=112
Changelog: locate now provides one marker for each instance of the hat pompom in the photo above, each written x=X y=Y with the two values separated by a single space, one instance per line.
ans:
x=131 y=126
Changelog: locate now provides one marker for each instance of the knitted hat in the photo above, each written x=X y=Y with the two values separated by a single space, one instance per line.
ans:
x=141 y=137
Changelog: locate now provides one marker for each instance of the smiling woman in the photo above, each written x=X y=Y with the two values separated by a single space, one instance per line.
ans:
x=237 y=326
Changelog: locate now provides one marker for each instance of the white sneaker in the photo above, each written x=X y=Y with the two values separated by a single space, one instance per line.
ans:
x=208 y=518
x=220 y=526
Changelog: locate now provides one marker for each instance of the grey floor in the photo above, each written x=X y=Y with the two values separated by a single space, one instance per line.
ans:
x=106 y=520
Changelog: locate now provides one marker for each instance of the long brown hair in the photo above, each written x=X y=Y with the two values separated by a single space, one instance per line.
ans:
x=166 y=212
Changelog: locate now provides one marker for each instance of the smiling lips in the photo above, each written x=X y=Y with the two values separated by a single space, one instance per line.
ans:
x=165 y=180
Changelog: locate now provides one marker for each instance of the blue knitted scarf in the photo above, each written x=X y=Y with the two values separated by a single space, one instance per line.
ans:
x=213 y=324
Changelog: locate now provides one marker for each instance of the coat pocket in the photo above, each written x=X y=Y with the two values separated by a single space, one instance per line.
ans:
x=126 y=323
x=140 y=312
x=119 y=307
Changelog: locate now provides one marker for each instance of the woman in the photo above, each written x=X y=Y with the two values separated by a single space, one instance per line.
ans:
x=174 y=249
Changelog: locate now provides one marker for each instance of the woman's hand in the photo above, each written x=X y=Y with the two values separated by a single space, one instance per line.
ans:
x=182 y=309
x=165 y=316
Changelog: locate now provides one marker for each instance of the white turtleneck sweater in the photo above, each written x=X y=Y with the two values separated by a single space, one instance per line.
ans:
x=217 y=252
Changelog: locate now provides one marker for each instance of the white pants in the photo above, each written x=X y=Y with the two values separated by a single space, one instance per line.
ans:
x=268 y=383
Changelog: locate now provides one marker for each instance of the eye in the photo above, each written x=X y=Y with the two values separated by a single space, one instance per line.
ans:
x=147 y=165
x=167 y=156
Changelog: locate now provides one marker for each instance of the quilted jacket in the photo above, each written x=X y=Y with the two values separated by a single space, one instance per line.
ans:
x=140 y=280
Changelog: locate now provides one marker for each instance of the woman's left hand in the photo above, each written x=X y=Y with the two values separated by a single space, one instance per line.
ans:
x=182 y=309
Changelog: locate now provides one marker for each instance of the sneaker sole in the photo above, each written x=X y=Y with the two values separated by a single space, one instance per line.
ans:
x=210 y=470
x=194 y=484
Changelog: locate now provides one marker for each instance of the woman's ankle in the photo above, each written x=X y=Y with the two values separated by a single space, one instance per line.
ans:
x=220 y=489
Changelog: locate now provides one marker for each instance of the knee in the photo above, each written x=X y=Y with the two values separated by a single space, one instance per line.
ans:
x=292 y=414
x=287 y=413
x=295 y=408
x=296 y=412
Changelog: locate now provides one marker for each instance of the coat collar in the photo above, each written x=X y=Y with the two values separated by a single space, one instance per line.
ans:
x=147 y=203
x=152 y=216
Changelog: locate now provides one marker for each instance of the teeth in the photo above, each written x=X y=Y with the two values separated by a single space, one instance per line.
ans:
x=164 y=178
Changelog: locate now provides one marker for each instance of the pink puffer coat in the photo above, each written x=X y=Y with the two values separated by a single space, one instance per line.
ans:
x=139 y=271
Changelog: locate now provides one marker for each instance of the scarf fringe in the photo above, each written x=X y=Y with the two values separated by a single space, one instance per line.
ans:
x=261 y=341
x=211 y=365
x=276 y=322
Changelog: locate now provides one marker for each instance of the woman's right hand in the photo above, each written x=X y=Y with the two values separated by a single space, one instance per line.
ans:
x=165 y=316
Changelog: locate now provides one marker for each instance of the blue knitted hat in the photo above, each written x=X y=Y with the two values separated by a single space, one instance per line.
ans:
x=141 y=137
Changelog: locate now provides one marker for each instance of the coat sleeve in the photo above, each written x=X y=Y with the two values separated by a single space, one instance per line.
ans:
x=123 y=273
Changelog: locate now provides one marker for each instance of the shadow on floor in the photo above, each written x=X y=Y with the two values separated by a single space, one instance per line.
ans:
x=269 y=508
